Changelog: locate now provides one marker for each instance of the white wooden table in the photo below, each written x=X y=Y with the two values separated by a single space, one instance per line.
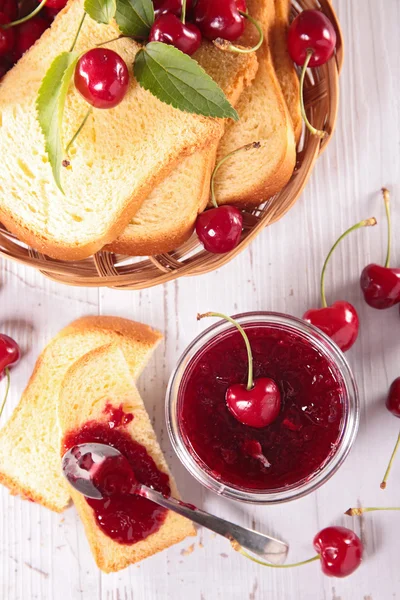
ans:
x=45 y=556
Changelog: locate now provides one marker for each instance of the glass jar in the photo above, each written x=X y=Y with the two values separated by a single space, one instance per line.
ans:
x=279 y=324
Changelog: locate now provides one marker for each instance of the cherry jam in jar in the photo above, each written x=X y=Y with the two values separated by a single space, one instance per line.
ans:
x=306 y=443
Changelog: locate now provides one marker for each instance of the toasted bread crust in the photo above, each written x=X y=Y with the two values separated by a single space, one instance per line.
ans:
x=285 y=70
x=277 y=145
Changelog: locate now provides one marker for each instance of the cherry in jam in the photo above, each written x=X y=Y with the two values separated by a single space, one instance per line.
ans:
x=296 y=444
x=124 y=517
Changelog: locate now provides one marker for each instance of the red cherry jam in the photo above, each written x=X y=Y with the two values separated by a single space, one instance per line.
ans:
x=300 y=440
x=124 y=517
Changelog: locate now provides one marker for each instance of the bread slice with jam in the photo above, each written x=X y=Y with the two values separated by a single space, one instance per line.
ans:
x=30 y=440
x=99 y=403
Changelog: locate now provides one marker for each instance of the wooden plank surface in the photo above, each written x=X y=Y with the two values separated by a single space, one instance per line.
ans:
x=45 y=556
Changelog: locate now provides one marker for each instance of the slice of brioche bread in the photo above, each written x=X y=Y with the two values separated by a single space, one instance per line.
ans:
x=167 y=217
x=284 y=67
x=249 y=179
x=30 y=441
x=103 y=377
x=118 y=158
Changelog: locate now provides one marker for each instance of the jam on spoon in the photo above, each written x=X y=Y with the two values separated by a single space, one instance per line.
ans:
x=101 y=473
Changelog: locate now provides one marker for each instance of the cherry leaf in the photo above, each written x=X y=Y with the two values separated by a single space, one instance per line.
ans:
x=135 y=17
x=50 y=105
x=177 y=79
x=101 y=11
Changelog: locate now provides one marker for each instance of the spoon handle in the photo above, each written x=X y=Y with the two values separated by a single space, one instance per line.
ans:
x=263 y=546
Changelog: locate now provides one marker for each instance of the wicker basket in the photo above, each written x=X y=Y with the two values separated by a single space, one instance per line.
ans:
x=122 y=272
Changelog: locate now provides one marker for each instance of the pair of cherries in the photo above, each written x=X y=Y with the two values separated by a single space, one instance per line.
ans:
x=212 y=19
x=258 y=404
x=9 y=356
x=380 y=286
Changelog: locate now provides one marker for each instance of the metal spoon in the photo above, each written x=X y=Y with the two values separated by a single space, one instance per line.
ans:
x=263 y=546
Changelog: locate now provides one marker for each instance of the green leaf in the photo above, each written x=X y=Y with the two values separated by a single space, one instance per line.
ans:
x=135 y=17
x=50 y=105
x=177 y=79
x=101 y=11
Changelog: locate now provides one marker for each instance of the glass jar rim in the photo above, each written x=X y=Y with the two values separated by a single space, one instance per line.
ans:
x=348 y=432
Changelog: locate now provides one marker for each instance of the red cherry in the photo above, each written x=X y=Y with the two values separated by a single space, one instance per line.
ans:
x=9 y=8
x=170 y=30
x=4 y=67
x=340 y=550
x=393 y=406
x=27 y=34
x=339 y=321
x=393 y=399
x=102 y=78
x=51 y=13
x=7 y=36
x=220 y=18
x=171 y=6
x=220 y=229
x=9 y=352
x=55 y=4
x=257 y=407
x=381 y=285
x=311 y=31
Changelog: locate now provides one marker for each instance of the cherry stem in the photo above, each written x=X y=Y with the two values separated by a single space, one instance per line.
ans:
x=77 y=132
x=183 y=15
x=120 y=37
x=222 y=161
x=228 y=47
x=78 y=32
x=239 y=549
x=26 y=18
x=318 y=132
x=386 y=198
x=250 y=382
x=357 y=512
x=365 y=223
x=384 y=480
x=7 y=372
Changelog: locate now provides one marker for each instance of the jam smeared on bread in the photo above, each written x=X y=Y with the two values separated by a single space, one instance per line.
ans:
x=100 y=378
x=124 y=517
x=117 y=416
x=299 y=441
x=24 y=467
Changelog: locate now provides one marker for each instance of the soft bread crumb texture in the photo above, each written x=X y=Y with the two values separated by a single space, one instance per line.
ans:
x=119 y=157
x=103 y=377
x=167 y=217
x=284 y=67
x=247 y=179
x=30 y=441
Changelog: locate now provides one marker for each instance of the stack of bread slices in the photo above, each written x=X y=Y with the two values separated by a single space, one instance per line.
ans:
x=89 y=365
x=140 y=173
